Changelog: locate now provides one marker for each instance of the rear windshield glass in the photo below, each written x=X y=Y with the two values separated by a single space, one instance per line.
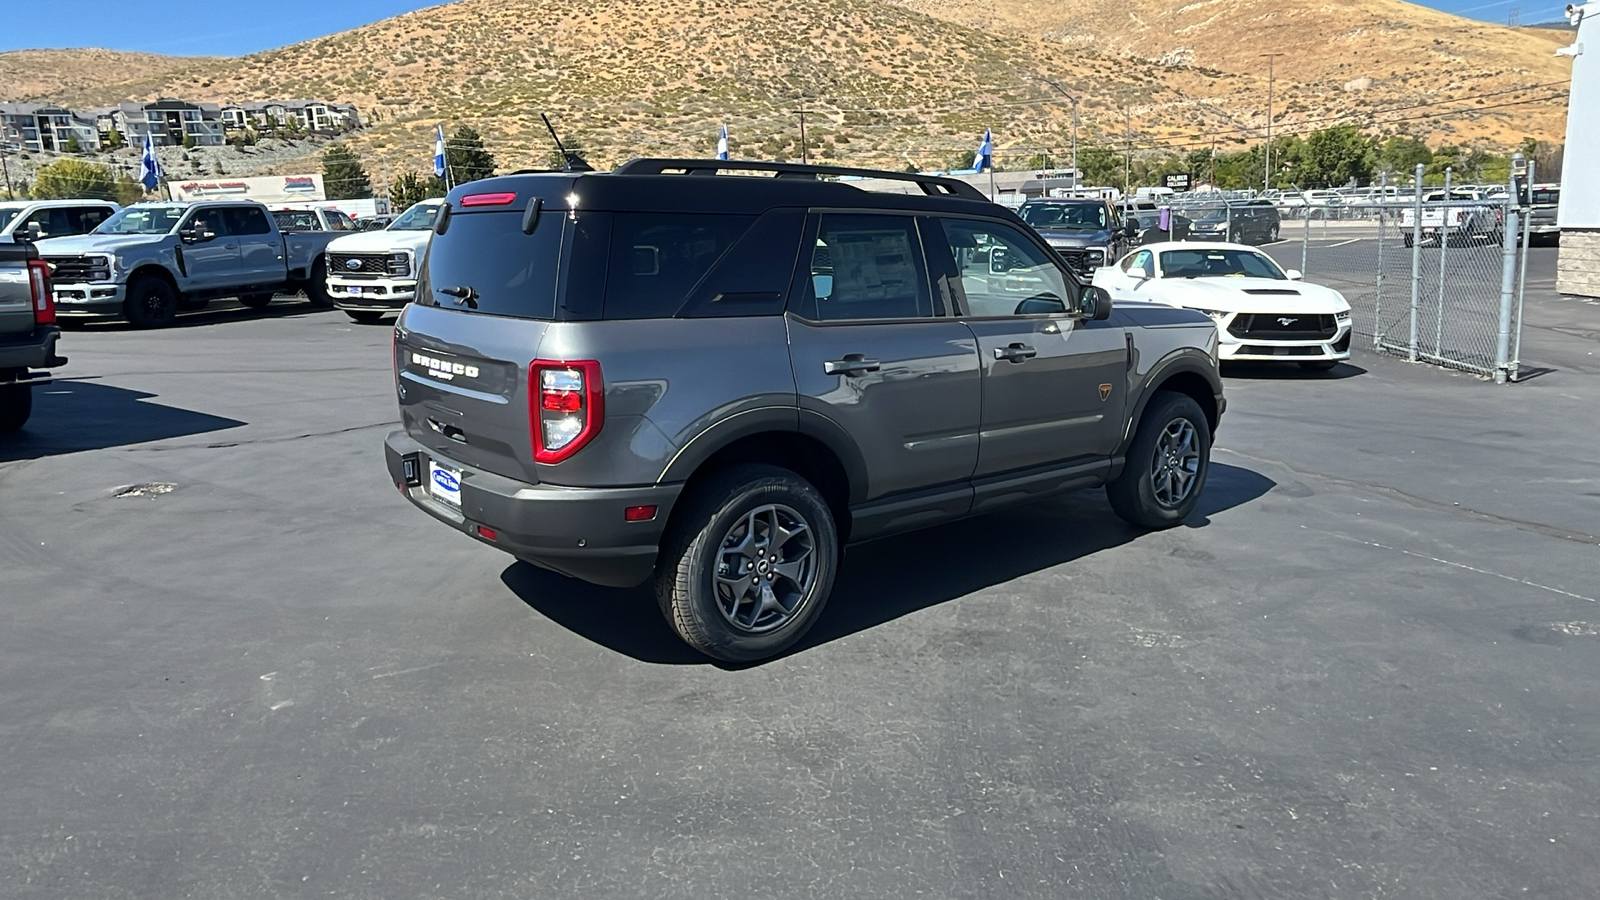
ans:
x=484 y=258
x=1546 y=197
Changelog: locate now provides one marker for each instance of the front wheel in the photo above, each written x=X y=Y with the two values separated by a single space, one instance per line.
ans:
x=316 y=287
x=16 y=405
x=256 y=301
x=151 y=303
x=1167 y=464
x=748 y=564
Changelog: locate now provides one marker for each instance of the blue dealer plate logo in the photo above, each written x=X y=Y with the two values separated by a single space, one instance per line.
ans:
x=446 y=481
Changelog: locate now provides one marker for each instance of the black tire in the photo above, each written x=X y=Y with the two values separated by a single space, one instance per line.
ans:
x=364 y=316
x=316 y=287
x=151 y=303
x=1136 y=494
x=718 y=510
x=256 y=301
x=16 y=405
x=1320 y=365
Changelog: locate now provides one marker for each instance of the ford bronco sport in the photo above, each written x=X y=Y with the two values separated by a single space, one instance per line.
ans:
x=718 y=380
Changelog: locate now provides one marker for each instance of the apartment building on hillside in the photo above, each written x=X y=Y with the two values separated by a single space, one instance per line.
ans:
x=36 y=128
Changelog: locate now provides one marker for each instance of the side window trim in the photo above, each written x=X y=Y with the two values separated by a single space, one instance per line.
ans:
x=800 y=290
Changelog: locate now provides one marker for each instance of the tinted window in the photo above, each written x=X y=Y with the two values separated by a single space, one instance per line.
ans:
x=91 y=217
x=1065 y=215
x=210 y=219
x=487 y=257
x=1003 y=273
x=865 y=267
x=338 y=221
x=754 y=275
x=656 y=258
x=1546 y=197
x=247 y=220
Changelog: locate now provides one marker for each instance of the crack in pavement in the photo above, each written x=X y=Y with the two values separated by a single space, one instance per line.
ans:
x=268 y=440
x=1452 y=563
x=1425 y=503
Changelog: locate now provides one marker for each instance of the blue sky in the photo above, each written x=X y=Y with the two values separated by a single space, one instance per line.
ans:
x=213 y=28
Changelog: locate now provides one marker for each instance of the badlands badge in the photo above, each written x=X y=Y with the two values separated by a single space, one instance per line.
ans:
x=1105 y=391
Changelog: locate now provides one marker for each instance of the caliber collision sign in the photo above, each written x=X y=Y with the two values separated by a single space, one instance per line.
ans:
x=1177 y=181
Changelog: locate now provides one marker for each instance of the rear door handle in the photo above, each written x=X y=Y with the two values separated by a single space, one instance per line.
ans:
x=1015 y=353
x=853 y=364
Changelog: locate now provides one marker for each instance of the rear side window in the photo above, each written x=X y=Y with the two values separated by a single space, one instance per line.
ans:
x=865 y=267
x=486 y=257
x=656 y=258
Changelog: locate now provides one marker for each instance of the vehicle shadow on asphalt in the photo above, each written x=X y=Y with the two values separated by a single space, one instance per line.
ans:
x=1266 y=371
x=885 y=579
x=72 y=416
x=216 y=314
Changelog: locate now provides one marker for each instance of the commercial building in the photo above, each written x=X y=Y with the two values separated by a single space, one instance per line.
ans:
x=1578 y=267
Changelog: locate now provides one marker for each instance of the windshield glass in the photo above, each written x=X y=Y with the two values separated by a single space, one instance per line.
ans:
x=142 y=220
x=1207 y=213
x=1541 y=197
x=1218 y=263
x=1065 y=215
x=6 y=215
x=417 y=218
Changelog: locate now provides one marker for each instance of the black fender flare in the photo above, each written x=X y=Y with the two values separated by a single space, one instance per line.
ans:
x=1186 y=360
x=692 y=455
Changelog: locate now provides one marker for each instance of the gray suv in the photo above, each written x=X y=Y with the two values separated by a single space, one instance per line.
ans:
x=719 y=380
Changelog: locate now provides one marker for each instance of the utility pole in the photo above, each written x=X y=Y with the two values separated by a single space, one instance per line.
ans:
x=803 y=158
x=7 y=169
x=1213 y=178
x=1267 y=179
x=1127 y=135
x=1062 y=91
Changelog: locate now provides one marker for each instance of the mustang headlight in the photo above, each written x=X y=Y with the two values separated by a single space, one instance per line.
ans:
x=1217 y=315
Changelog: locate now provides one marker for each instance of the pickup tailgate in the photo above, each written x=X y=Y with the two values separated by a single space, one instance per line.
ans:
x=16 y=297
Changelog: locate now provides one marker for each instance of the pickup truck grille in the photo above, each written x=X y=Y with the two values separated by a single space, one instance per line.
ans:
x=78 y=269
x=1282 y=327
x=367 y=265
x=1083 y=260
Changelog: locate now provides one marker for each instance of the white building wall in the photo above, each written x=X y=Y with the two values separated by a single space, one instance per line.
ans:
x=1578 y=266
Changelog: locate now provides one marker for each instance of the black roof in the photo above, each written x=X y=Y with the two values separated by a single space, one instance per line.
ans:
x=646 y=186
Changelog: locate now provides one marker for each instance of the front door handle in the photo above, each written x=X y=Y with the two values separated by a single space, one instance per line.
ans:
x=853 y=364
x=1015 y=353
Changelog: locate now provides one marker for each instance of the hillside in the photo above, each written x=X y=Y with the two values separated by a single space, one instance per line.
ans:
x=58 y=74
x=884 y=85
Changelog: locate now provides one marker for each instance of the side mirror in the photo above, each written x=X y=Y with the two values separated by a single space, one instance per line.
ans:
x=1293 y=274
x=33 y=233
x=189 y=235
x=1095 y=304
x=1131 y=225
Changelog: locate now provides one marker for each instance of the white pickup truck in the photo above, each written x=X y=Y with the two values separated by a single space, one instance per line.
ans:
x=374 y=273
x=1463 y=216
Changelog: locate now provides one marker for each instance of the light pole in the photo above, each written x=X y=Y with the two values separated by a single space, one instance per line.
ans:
x=1074 y=100
x=1127 y=136
x=1267 y=179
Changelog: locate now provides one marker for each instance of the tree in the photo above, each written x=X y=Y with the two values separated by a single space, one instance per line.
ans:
x=294 y=127
x=1401 y=153
x=410 y=189
x=114 y=138
x=188 y=141
x=1335 y=156
x=466 y=157
x=343 y=176
x=128 y=191
x=73 y=146
x=74 y=179
x=1101 y=166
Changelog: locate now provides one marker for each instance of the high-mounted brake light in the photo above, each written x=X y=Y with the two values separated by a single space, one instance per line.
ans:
x=502 y=199
x=566 y=406
x=44 y=303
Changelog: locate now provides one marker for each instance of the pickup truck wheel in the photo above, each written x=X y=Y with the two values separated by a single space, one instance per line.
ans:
x=256 y=301
x=748 y=563
x=316 y=287
x=365 y=317
x=16 y=405
x=1166 y=466
x=151 y=303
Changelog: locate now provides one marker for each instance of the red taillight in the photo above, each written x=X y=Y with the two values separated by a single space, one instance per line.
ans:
x=487 y=533
x=505 y=199
x=44 y=302
x=566 y=406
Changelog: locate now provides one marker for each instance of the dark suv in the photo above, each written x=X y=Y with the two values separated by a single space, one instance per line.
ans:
x=1252 y=222
x=1088 y=233
x=721 y=379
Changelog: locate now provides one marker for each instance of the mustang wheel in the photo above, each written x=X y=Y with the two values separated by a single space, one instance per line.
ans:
x=748 y=564
x=1166 y=466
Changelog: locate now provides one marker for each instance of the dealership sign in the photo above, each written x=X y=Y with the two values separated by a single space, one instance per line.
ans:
x=264 y=189
x=1177 y=181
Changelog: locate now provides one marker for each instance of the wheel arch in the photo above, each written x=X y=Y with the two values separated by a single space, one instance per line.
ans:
x=157 y=271
x=1190 y=372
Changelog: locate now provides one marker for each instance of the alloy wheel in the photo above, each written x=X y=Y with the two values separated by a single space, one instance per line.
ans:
x=766 y=567
x=1176 y=464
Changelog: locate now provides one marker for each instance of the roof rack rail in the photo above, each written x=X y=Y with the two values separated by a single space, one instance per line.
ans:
x=933 y=185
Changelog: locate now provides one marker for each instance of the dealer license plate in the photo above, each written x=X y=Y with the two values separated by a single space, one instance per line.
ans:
x=353 y=291
x=444 y=484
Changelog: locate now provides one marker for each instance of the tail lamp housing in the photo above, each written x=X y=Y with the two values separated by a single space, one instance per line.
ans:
x=566 y=400
x=44 y=301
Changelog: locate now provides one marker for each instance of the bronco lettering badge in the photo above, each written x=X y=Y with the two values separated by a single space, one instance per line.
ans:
x=443 y=369
x=1105 y=391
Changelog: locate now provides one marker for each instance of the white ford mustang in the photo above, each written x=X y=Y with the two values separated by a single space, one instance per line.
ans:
x=1262 y=312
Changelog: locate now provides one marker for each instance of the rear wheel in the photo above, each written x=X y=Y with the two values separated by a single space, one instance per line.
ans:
x=16 y=405
x=316 y=287
x=748 y=564
x=365 y=317
x=1167 y=464
x=151 y=303
x=256 y=301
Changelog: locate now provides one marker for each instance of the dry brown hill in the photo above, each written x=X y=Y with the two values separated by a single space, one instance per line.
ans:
x=885 y=85
x=56 y=74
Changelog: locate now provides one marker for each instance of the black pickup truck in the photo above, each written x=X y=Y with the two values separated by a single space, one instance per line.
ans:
x=28 y=332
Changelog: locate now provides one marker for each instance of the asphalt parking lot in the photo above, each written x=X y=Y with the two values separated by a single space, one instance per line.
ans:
x=235 y=663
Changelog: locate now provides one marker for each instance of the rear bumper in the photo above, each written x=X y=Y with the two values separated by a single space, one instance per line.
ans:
x=578 y=532
x=35 y=351
x=93 y=299
x=370 y=293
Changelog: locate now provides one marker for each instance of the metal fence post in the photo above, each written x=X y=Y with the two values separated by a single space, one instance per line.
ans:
x=1522 y=277
x=1416 y=259
x=1508 y=276
x=1305 y=242
x=1444 y=253
x=1377 y=312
